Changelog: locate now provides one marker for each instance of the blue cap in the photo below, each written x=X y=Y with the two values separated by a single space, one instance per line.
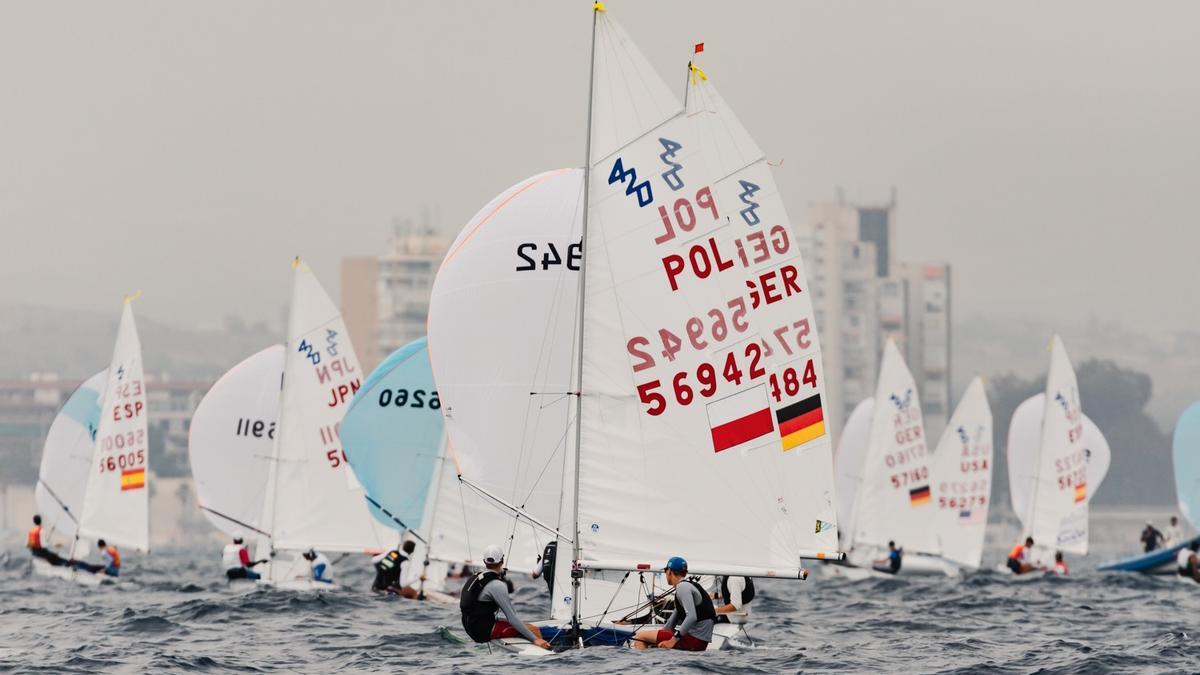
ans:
x=676 y=564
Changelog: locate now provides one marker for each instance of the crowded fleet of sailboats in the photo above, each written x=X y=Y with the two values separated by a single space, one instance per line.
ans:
x=595 y=334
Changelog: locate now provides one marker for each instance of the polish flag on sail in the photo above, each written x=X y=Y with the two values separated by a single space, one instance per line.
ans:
x=740 y=418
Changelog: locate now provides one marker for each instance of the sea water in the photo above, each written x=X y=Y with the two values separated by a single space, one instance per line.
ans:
x=173 y=612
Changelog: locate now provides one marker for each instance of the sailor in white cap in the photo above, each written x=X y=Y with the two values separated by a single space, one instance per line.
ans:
x=486 y=593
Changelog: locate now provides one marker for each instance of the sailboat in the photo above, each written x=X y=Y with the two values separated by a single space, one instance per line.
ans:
x=1185 y=456
x=885 y=485
x=308 y=498
x=1024 y=435
x=95 y=466
x=395 y=443
x=693 y=362
x=1056 y=474
x=231 y=440
x=962 y=479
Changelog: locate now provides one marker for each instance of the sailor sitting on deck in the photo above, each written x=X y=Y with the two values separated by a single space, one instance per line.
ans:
x=736 y=594
x=1060 y=565
x=34 y=543
x=322 y=571
x=389 y=572
x=1020 y=556
x=486 y=593
x=1151 y=537
x=111 y=557
x=1187 y=563
x=236 y=559
x=890 y=563
x=694 y=614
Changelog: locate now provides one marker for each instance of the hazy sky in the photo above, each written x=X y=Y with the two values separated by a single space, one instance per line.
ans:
x=1049 y=151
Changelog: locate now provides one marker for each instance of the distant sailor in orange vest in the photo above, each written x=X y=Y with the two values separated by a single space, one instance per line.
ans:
x=112 y=561
x=34 y=544
x=1019 y=557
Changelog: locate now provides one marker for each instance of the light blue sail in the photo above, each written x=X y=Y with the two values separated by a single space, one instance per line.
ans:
x=392 y=435
x=1186 y=456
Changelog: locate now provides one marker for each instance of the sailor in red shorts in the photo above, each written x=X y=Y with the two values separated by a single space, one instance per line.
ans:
x=694 y=615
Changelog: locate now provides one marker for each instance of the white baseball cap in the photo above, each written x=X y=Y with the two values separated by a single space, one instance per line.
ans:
x=493 y=554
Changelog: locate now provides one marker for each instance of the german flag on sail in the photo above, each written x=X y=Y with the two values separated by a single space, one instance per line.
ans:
x=1080 y=492
x=919 y=495
x=133 y=479
x=801 y=422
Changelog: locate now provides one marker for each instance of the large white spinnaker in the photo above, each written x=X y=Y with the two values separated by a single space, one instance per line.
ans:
x=66 y=462
x=894 y=501
x=1060 y=468
x=115 y=502
x=701 y=390
x=1024 y=438
x=502 y=326
x=230 y=442
x=962 y=479
x=313 y=499
x=848 y=462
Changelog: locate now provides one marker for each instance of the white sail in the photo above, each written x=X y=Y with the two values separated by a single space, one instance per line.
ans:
x=895 y=500
x=1024 y=439
x=67 y=460
x=314 y=499
x=502 y=323
x=1060 y=478
x=962 y=479
x=115 y=501
x=230 y=442
x=701 y=374
x=848 y=462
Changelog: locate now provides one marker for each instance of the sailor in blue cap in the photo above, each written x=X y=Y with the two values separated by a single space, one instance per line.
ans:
x=690 y=626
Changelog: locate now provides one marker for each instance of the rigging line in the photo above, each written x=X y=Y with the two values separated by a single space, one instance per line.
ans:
x=401 y=523
x=560 y=445
x=518 y=511
x=466 y=525
x=235 y=521
x=61 y=503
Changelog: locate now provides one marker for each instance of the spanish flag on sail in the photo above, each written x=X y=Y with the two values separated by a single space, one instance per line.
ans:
x=1080 y=492
x=801 y=422
x=919 y=495
x=133 y=479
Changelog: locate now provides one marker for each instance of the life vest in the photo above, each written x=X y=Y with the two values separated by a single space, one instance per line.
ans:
x=704 y=612
x=1060 y=567
x=548 y=556
x=747 y=592
x=35 y=537
x=479 y=616
x=116 y=556
x=1017 y=552
x=391 y=561
x=231 y=556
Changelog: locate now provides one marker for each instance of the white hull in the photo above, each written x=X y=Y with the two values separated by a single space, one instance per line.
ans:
x=42 y=568
x=914 y=564
x=297 y=585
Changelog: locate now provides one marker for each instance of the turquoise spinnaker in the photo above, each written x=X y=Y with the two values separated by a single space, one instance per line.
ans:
x=392 y=435
x=1186 y=456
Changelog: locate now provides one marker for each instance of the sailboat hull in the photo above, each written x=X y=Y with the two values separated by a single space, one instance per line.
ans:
x=1161 y=561
x=42 y=568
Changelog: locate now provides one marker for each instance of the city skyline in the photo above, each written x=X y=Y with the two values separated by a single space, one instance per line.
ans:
x=1018 y=161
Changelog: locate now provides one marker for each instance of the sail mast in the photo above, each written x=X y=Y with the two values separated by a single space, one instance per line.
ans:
x=576 y=551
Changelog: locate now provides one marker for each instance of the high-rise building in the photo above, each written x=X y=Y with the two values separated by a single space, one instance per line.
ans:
x=385 y=300
x=862 y=296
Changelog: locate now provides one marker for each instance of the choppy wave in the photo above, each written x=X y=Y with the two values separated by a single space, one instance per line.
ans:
x=173 y=613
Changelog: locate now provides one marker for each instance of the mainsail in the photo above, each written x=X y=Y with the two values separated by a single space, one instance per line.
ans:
x=895 y=500
x=848 y=462
x=313 y=499
x=115 y=503
x=1024 y=438
x=67 y=460
x=1185 y=454
x=501 y=330
x=1060 y=468
x=230 y=442
x=962 y=479
x=701 y=389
